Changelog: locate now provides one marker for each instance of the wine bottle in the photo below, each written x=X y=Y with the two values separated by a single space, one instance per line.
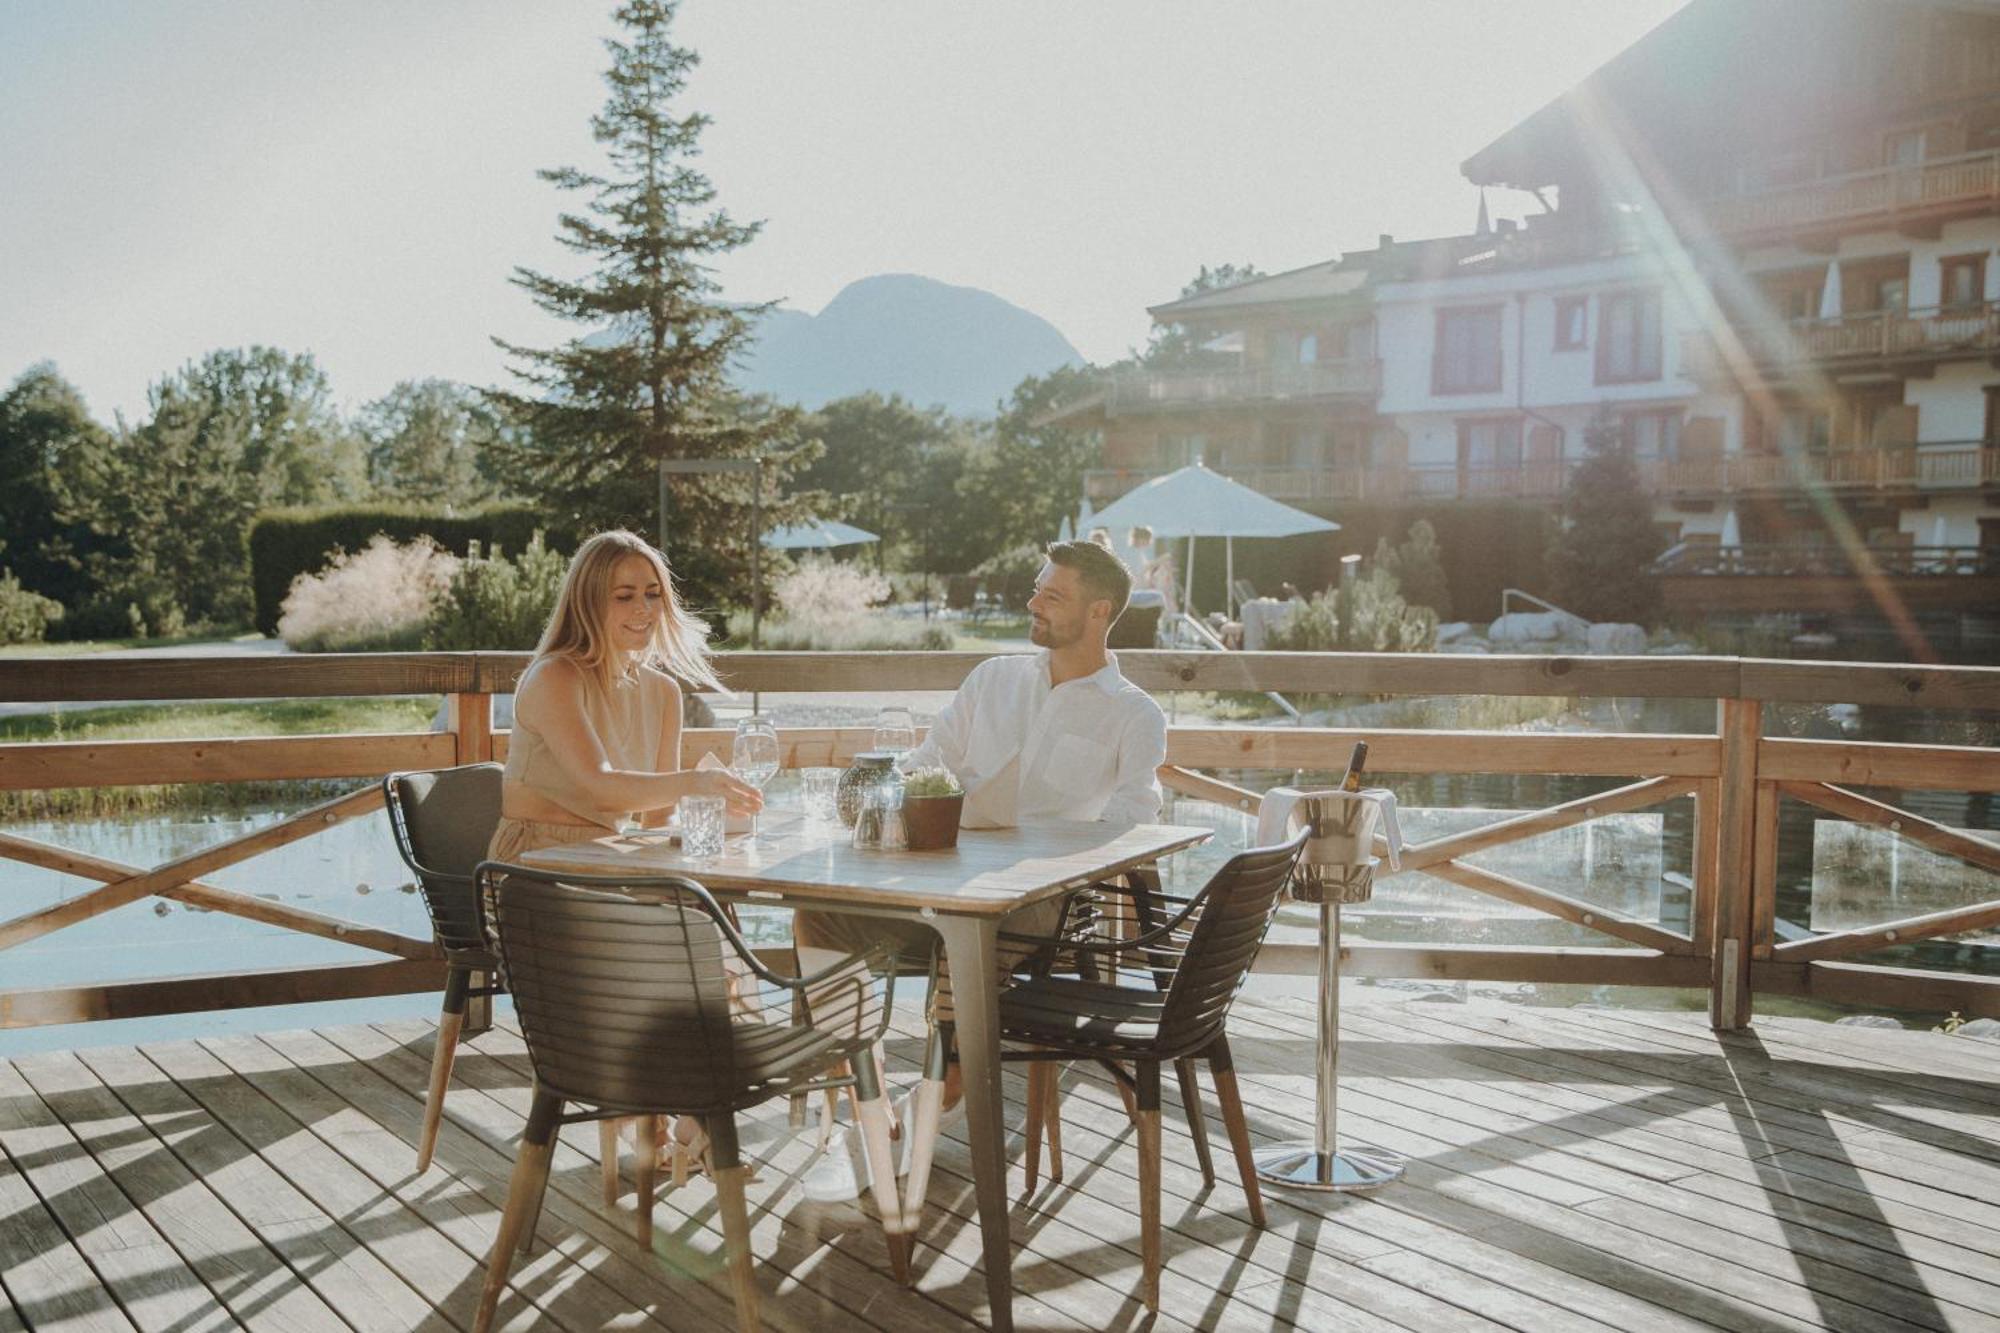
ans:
x=1355 y=762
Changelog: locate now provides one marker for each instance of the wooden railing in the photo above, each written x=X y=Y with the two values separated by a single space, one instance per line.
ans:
x=1734 y=774
x=1154 y=391
x=1795 y=560
x=1945 y=333
x=1882 y=192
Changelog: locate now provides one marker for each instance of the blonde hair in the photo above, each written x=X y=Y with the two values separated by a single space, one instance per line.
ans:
x=577 y=626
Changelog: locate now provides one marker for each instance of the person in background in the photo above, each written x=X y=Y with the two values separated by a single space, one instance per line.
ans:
x=1157 y=573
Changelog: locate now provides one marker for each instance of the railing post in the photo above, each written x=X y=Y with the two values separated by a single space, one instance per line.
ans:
x=471 y=718
x=1742 y=723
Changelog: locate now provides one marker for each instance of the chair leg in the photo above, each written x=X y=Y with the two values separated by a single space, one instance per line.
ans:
x=1197 y=1123
x=1038 y=1109
x=730 y=1203
x=607 y=1158
x=644 y=1173
x=1147 y=1120
x=871 y=1111
x=531 y=1173
x=1223 y=1071
x=1053 y=1122
x=923 y=1128
x=451 y=1020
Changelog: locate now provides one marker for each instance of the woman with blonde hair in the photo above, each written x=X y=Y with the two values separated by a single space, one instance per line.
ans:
x=597 y=714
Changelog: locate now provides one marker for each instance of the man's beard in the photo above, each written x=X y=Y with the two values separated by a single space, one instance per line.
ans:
x=1044 y=634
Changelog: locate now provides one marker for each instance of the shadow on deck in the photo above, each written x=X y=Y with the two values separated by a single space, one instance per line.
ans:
x=1568 y=1170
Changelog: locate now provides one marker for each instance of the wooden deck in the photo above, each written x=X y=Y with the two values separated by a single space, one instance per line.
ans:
x=1568 y=1170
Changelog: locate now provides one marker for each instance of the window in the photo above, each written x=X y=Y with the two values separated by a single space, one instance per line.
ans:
x=1572 y=322
x=1308 y=349
x=1892 y=294
x=1654 y=434
x=1468 y=351
x=1962 y=280
x=1903 y=149
x=1489 y=443
x=1992 y=436
x=1803 y=430
x=1628 y=337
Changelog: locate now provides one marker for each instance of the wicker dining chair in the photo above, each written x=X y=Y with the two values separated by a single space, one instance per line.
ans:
x=1194 y=965
x=621 y=988
x=443 y=819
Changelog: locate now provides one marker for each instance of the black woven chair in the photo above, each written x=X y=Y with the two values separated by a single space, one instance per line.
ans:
x=443 y=819
x=1194 y=964
x=621 y=987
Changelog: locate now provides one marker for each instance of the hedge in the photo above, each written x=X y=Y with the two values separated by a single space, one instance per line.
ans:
x=285 y=543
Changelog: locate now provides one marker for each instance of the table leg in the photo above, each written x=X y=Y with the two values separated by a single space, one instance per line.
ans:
x=971 y=947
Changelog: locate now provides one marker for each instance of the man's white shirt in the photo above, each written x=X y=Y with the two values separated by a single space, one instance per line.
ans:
x=1029 y=752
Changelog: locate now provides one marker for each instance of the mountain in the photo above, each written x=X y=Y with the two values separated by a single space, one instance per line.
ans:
x=929 y=341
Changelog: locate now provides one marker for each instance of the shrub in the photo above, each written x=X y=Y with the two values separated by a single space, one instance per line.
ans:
x=497 y=603
x=379 y=599
x=1364 y=615
x=860 y=632
x=285 y=543
x=25 y=616
x=826 y=589
x=1418 y=568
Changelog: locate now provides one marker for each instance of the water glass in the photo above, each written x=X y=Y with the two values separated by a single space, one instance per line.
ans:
x=895 y=731
x=820 y=788
x=702 y=820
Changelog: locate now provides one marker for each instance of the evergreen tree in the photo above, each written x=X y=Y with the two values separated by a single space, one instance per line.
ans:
x=1602 y=561
x=651 y=379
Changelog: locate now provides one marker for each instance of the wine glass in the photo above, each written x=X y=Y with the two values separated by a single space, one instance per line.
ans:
x=754 y=756
x=895 y=732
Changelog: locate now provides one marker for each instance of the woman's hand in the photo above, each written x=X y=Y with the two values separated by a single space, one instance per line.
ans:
x=743 y=798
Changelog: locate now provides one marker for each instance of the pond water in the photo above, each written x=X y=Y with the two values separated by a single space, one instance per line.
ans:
x=1832 y=875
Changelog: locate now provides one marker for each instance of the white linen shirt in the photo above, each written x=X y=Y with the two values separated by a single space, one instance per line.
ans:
x=1028 y=752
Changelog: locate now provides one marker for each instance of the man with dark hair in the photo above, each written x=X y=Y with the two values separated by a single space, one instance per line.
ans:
x=1057 y=735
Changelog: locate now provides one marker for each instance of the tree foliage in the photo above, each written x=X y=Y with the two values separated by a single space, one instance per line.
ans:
x=651 y=379
x=1602 y=559
x=1417 y=565
x=432 y=442
x=1032 y=475
x=44 y=425
x=167 y=505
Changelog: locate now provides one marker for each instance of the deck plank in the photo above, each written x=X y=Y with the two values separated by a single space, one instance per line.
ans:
x=1570 y=1171
x=146 y=1277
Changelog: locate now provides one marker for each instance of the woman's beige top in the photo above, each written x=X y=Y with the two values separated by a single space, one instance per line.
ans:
x=628 y=720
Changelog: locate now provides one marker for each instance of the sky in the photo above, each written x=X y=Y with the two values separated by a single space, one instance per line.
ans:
x=357 y=178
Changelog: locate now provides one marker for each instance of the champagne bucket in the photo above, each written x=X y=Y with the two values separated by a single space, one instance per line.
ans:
x=1339 y=860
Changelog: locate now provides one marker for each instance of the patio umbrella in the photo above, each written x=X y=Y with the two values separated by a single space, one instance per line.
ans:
x=816 y=534
x=1196 y=502
x=1065 y=533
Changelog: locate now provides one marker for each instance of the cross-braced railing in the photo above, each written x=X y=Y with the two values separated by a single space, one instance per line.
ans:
x=1735 y=775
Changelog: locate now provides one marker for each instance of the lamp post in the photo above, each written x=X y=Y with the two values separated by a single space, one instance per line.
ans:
x=730 y=467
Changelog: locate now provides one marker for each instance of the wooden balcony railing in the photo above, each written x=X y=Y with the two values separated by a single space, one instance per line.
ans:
x=1149 y=391
x=1787 y=559
x=1734 y=774
x=1944 y=465
x=1883 y=192
x=1944 y=333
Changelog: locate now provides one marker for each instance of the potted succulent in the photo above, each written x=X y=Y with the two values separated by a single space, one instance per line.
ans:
x=932 y=803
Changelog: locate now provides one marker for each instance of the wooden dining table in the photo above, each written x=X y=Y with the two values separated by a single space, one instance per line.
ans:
x=964 y=893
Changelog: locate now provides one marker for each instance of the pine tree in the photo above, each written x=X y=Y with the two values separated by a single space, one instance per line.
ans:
x=651 y=379
x=1603 y=556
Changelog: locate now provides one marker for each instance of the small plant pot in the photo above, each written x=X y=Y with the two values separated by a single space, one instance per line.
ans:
x=932 y=821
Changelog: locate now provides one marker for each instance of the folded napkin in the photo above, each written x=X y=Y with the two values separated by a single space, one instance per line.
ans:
x=731 y=822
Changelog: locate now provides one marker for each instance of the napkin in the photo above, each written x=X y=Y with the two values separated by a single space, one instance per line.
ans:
x=731 y=822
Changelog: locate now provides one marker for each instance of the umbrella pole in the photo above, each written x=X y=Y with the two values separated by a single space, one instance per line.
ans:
x=1187 y=596
x=1229 y=576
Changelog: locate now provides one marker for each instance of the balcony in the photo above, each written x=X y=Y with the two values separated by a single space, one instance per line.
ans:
x=1956 y=465
x=1149 y=391
x=1943 y=186
x=1880 y=339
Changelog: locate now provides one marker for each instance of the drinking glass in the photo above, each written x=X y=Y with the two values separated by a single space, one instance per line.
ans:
x=701 y=826
x=821 y=788
x=895 y=732
x=754 y=756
